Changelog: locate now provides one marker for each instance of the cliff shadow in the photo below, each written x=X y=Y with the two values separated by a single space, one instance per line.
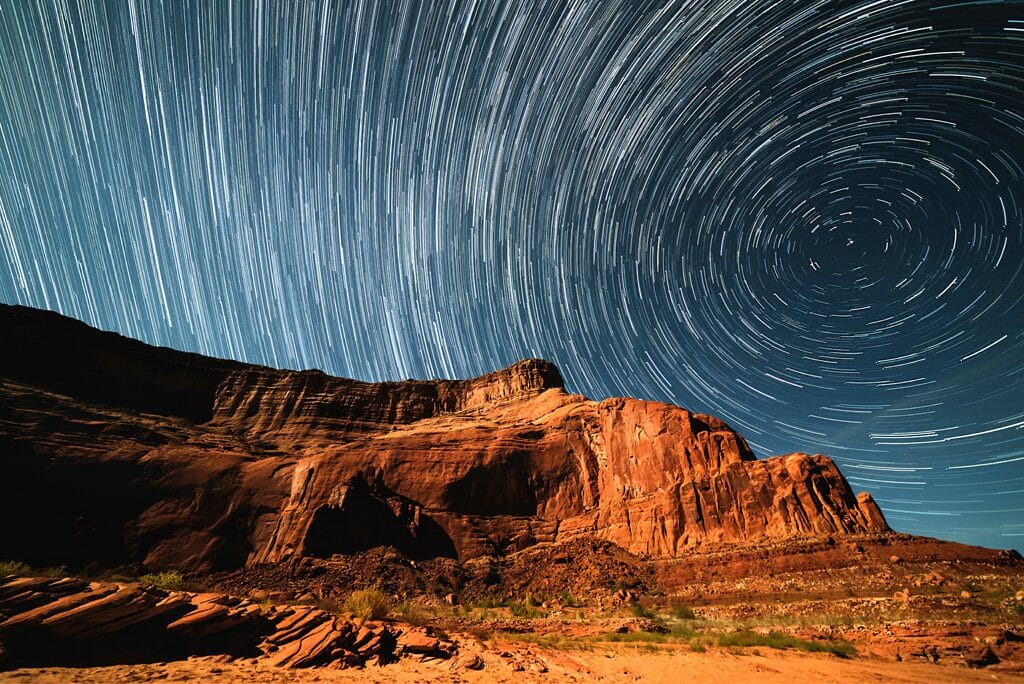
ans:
x=369 y=516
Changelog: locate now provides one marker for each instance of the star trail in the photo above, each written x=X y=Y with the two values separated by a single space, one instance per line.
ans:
x=803 y=217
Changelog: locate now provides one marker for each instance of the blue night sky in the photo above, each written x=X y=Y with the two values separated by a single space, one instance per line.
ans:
x=805 y=217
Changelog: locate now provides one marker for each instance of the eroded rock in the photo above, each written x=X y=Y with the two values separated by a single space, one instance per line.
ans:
x=74 y=623
x=177 y=460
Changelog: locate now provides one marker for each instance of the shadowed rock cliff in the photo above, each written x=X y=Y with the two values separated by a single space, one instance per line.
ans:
x=118 y=452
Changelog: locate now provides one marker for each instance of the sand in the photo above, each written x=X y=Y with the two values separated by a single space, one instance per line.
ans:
x=618 y=663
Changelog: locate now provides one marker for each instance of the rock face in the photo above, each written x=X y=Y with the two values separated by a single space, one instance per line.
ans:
x=69 y=621
x=119 y=452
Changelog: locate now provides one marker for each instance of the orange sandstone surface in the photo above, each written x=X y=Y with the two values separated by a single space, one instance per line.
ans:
x=120 y=452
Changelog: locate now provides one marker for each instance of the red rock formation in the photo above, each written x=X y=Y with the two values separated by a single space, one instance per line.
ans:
x=125 y=452
x=47 y=621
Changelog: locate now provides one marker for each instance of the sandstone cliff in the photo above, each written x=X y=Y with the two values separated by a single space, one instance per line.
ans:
x=117 y=452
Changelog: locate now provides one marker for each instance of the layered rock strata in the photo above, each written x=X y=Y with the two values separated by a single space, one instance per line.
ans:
x=70 y=621
x=118 y=452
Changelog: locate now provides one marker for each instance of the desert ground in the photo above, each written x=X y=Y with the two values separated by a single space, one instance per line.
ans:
x=775 y=615
x=620 y=663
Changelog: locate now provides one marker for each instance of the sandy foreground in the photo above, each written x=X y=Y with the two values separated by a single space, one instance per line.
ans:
x=619 y=663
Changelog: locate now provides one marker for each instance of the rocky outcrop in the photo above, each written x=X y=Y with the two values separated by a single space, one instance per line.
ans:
x=309 y=405
x=48 y=621
x=116 y=452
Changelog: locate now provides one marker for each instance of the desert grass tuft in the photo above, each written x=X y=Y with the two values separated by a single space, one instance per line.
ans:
x=369 y=603
x=682 y=612
x=526 y=611
x=14 y=568
x=169 y=580
x=413 y=614
x=676 y=635
x=781 y=640
x=26 y=570
x=569 y=600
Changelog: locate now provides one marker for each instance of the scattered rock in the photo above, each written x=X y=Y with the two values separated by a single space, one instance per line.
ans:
x=636 y=625
x=982 y=656
x=471 y=662
x=422 y=642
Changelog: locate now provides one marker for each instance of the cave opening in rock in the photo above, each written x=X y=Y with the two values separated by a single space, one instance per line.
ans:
x=363 y=522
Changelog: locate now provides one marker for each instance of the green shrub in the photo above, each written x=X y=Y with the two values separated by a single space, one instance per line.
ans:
x=673 y=636
x=489 y=602
x=524 y=610
x=369 y=603
x=328 y=604
x=412 y=613
x=169 y=580
x=14 y=568
x=681 y=612
x=636 y=610
x=26 y=570
x=636 y=637
x=781 y=640
x=569 y=601
x=552 y=641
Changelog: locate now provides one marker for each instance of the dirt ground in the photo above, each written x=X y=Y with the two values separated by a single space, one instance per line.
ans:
x=619 y=663
x=907 y=612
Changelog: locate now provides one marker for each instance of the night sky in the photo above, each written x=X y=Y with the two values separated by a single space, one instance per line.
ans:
x=804 y=217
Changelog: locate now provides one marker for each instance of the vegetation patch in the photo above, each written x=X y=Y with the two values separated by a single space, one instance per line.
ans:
x=369 y=603
x=169 y=580
x=552 y=641
x=489 y=602
x=20 y=569
x=526 y=611
x=636 y=610
x=570 y=601
x=672 y=636
x=696 y=640
x=781 y=640
x=682 y=612
x=14 y=568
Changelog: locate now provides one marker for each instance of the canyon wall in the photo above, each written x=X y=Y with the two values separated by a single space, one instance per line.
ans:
x=118 y=452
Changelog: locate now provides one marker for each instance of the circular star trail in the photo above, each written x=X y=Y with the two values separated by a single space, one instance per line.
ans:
x=804 y=217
